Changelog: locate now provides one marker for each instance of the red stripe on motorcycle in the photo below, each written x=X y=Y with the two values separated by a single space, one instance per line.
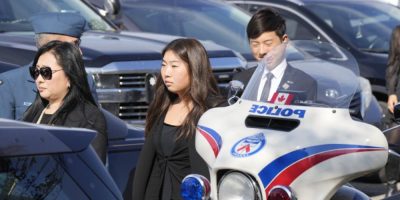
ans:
x=288 y=175
x=211 y=141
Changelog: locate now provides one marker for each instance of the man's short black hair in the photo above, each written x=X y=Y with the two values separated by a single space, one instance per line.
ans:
x=266 y=20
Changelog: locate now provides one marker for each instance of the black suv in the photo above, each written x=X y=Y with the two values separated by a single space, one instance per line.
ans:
x=118 y=61
x=362 y=27
x=213 y=20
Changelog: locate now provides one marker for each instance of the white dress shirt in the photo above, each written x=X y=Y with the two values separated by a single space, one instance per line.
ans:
x=278 y=72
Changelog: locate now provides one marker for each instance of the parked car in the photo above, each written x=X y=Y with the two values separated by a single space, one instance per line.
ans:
x=119 y=61
x=393 y=2
x=124 y=145
x=202 y=19
x=47 y=162
x=362 y=27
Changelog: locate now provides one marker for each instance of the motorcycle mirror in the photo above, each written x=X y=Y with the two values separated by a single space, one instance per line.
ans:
x=150 y=82
x=396 y=112
x=235 y=90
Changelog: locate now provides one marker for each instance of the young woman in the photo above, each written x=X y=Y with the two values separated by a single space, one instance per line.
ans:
x=185 y=89
x=64 y=97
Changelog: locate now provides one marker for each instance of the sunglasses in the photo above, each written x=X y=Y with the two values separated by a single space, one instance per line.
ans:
x=45 y=72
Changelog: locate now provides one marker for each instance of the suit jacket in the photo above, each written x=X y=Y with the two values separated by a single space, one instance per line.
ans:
x=18 y=91
x=85 y=115
x=293 y=80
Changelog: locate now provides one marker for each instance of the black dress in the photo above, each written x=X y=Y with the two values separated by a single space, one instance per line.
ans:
x=171 y=165
x=164 y=162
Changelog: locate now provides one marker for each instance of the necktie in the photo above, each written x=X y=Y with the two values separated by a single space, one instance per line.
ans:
x=267 y=87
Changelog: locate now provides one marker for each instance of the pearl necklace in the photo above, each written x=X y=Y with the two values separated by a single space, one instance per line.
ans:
x=41 y=115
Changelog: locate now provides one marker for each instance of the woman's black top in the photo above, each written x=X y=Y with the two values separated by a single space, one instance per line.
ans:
x=165 y=161
x=83 y=115
x=171 y=165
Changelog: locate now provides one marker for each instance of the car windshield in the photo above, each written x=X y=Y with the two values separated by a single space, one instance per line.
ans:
x=334 y=71
x=366 y=25
x=15 y=14
x=205 y=20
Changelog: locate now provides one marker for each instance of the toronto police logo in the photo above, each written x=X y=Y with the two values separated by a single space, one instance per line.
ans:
x=248 y=145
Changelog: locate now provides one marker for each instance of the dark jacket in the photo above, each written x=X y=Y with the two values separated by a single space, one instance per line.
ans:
x=85 y=115
x=148 y=155
x=293 y=80
x=392 y=79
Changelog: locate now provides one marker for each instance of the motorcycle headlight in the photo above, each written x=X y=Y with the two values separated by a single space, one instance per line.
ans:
x=237 y=185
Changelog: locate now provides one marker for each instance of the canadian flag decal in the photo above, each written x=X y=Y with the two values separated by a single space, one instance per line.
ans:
x=282 y=98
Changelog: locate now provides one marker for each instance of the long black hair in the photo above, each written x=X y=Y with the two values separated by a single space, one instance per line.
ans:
x=69 y=57
x=202 y=86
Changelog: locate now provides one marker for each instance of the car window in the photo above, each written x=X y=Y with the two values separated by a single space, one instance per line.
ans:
x=296 y=27
x=15 y=14
x=366 y=25
x=36 y=177
x=225 y=25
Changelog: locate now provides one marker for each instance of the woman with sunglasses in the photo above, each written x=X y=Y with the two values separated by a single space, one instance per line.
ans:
x=64 y=97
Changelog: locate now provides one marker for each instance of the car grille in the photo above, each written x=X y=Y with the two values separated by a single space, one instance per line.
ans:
x=132 y=80
x=122 y=87
x=135 y=112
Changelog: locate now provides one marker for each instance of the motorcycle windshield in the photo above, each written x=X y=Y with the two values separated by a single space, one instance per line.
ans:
x=305 y=73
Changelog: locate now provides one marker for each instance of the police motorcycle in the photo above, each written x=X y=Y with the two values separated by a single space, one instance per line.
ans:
x=289 y=147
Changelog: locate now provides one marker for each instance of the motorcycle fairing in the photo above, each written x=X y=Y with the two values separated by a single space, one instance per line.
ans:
x=317 y=147
x=327 y=148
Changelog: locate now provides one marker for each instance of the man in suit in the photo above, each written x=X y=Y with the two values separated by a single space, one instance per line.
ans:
x=17 y=88
x=266 y=32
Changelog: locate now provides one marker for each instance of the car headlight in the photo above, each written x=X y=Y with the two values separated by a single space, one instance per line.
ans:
x=237 y=185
